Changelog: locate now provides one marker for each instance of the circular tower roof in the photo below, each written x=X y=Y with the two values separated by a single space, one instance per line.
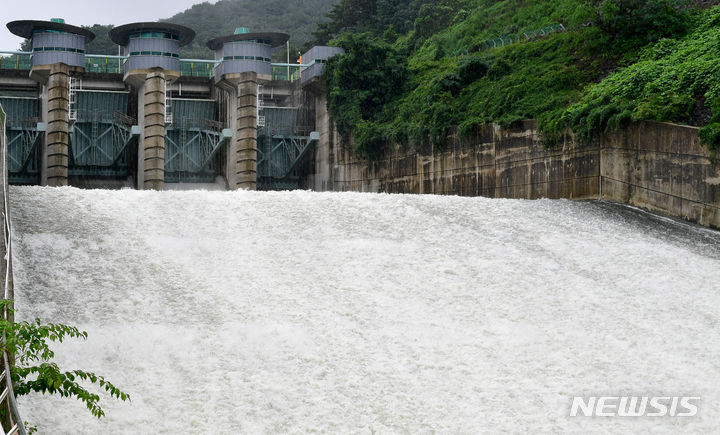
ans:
x=276 y=39
x=25 y=28
x=121 y=34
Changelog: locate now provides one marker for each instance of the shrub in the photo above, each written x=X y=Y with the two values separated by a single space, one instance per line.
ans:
x=664 y=86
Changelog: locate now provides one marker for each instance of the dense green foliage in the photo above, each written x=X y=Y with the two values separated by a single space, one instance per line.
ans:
x=379 y=16
x=34 y=369
x=644 y=19
x=619 y=60
x=672 y=79
x=377 y=71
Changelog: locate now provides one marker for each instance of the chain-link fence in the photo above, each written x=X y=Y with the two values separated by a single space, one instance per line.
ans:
x=511 y=39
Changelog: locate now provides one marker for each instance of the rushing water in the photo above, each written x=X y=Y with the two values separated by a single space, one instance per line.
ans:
x=227 y=312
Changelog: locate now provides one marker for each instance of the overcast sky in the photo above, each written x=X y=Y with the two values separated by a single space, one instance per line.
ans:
x=85 y=12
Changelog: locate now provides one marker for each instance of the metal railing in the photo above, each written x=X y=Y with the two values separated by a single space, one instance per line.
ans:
x=197 y=68
x=101 y=63
x=286 y=72
x=15 y=60
x=12 y=424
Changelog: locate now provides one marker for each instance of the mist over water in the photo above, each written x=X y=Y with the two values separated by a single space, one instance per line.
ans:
x=252 y=312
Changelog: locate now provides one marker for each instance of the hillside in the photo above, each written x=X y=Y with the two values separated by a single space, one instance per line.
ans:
x=297 y=18
x=580 y=65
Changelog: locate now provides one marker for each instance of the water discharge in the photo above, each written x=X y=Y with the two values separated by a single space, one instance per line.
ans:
x=249 y=312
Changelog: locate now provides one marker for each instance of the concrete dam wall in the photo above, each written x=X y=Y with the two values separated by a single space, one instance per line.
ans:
x=660 y=167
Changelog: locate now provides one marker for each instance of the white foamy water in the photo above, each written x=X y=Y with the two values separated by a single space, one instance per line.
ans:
x=245 y=312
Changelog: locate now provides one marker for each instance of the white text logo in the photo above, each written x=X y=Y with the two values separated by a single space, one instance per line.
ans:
x=634 y=406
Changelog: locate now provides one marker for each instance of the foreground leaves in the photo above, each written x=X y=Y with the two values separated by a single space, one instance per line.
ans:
x=29 y=344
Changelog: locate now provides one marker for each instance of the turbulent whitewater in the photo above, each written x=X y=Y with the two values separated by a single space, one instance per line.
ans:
x=250 y=312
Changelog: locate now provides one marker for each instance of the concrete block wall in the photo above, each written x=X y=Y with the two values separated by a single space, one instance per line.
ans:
x=524 y=168
x=663 y=168
x=660 y=167
x=492 y=162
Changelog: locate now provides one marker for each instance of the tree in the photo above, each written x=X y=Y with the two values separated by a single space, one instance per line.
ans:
x=648 y=20
x=360 y=83
x=356 y=15
x=34 y=369
x=375 y=16
x=102 y=43
x=434 y=17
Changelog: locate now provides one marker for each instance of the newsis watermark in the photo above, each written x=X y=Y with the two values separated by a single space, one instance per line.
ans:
x=634 y=406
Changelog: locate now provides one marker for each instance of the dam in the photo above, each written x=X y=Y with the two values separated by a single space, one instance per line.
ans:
x=147 y=117
x=289 y=312
x=265 y=308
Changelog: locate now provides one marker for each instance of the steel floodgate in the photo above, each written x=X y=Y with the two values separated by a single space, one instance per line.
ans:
x=251 y=312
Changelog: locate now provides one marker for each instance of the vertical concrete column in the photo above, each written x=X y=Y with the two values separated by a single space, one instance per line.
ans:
x=57 y=135
x=153 y=152
x=229 y=101
x=246 y=133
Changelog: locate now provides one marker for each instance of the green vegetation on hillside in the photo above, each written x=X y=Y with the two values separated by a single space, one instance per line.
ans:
x=618 y=60
x=673 y=80
x=379 y=16
x=294 y=17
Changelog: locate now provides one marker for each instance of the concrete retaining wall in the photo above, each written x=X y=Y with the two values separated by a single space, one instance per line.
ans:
x=657 y=166
x=663 y=168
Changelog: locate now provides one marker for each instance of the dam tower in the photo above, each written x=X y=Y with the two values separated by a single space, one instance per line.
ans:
x=58 y=56
x=153 y=60
x=243 y=66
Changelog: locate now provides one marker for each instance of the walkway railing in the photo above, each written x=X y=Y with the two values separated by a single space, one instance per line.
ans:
x=14 y=60
x=11 y=422
x=101 y=63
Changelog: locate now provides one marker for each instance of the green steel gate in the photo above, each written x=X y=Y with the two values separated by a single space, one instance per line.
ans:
x=282 y=145
x=23 y=136
x=100 y=138
x=192 y=140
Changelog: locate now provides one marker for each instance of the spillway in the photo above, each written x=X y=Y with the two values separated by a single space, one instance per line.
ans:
x=259 y=312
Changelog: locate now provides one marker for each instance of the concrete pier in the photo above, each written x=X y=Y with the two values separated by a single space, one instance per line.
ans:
x=245 y=134
x=57 y=136
x=108 y=125
x=152 y=146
